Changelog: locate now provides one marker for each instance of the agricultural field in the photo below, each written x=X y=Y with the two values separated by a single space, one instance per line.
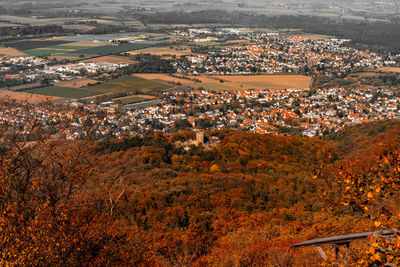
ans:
x=111 y=59
x=78 y=83
x=389 y=69
x=66 y=92
x=34 y=44
x=35 y=21
x=41 y=52
x=133 y=23
x=134 y=99
x=165 y=78
x=164 y=51
x=78 y=27
x=226 y=82
x=129 y=84
x=99 y=38
x=267 y=81
x=5 y=24
x=67 y=48
x=64 y=56
x=10 y=52
x=111 y=49
x=25 y=97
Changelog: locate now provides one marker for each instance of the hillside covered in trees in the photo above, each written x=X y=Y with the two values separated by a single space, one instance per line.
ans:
x=146 y=201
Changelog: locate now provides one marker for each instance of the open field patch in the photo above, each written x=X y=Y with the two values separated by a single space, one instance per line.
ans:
x=206 y=82
x=69 y=46
x=133 y=23
x=266 y=81
x=36 y=21
x=79 y=83
x=162 y=51
x=111 y=59
x=25 y=97
x=65 y=56
x=34 y=44
x=78 y=27
x=134 y=99
x=226 y=82
x=112 y=49
x=88 y=44
x=129 y=84
x=390 y=69
x=67 y=92
x=40 y=52
x=11 y=52
x=6 y=25
x=164 y=78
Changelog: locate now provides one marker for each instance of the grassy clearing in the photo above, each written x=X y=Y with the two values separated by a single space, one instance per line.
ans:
x=34 y=21
x=66 y=92
x=29 y=45
x=161 y=51
x=43 y=52
x=390 y=69
x=129 y=84
x=131 y=100
x=70 y=47
x=111 y=49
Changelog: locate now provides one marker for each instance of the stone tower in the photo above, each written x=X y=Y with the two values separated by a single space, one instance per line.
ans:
x=199 y=138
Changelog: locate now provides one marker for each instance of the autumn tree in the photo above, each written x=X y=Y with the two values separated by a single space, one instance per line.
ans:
x=369 y=192
x=47 y=212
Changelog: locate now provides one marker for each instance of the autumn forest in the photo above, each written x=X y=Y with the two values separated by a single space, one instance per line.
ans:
x=146 y=201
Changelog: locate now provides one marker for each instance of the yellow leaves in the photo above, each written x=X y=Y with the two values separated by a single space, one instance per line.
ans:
x=385 y=159
x=348 y=188
x=377 y=223
x=370 y=195
x=371 y=250
x=376 y=257
x=347 y=181
x=378 y=189
x=314 y=177
x=366 y=208
x=361 y=262
x=214 y=168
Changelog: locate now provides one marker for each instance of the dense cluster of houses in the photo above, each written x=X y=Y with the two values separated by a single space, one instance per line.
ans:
x=22 y=68
x=71 y=71
x=310 y=113
x=294 y=54
x=301 y=112
x=34 y=69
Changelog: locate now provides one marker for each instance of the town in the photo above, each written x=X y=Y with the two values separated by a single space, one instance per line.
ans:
x=272 y=53
x=92 y=98
x=288 y=112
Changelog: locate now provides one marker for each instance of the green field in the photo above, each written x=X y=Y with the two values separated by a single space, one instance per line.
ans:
x=69 y=47
x=43 y=52
x=64 y=92
x=84 y=50
x=131 y=100
x=35 y=21
x=111 y=49
x=129 y=84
